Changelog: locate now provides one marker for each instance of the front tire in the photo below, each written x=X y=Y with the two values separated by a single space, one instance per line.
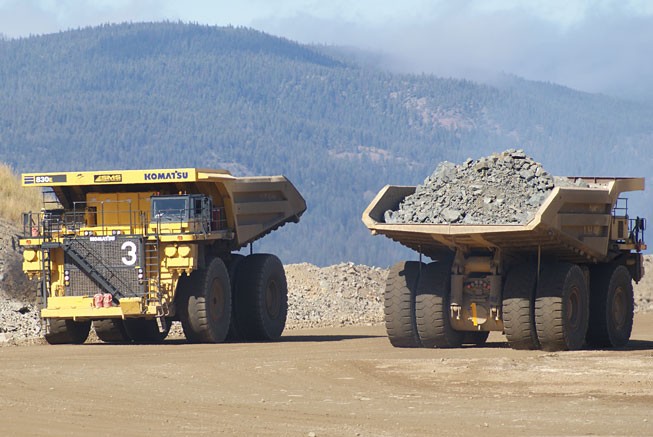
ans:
x=611 y=306
x=206 y=312
x=562 y=307
x=111 y=330
x=67 y=331
x=146 y=330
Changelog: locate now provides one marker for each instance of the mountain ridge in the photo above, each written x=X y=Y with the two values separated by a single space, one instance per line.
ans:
x=148 y=95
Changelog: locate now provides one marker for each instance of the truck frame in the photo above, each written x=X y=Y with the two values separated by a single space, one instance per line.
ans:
x=130 y=251
x=563 y=281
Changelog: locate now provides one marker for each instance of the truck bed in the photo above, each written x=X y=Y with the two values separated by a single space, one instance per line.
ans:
x=573 y=224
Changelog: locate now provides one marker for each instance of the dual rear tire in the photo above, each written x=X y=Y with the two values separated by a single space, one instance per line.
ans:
x=558 y=313
x=611 y=307
x=417 y=308
x=246 y=302
x=562 y=307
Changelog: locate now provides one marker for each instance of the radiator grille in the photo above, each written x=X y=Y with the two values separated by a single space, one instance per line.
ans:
x=115 y=258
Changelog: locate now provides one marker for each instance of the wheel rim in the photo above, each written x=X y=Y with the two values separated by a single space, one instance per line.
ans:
x=573 y=308
x=618 y=312
x=272 y=299
x=217 y=300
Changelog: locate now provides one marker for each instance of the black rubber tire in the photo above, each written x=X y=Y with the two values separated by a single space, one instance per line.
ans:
x=181 y=296
x=262 y=296
x=111 y=331
x=206 y=311
x=67 y=331
x=432 y=308
x=145 y=330
x=234 y=335
x=562 y=307
x=611 y=306
x=519 y=307
x=399 y=304
x=477 y=338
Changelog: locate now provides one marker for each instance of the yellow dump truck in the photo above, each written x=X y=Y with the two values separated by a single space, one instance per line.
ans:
x=130 y=251
x=560 y=282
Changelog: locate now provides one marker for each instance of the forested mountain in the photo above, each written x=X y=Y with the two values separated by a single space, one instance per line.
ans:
x=181 y=95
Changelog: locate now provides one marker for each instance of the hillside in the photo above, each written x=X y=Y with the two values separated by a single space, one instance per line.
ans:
x=179 y=95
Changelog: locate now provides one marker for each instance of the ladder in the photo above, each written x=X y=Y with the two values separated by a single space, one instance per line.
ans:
x=153 y=270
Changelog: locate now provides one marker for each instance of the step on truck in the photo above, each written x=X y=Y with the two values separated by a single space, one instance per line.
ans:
x=128 y=252
x=563 y=281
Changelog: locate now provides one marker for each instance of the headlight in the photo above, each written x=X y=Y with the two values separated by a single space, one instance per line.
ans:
x=184 y=251
x=170 y=251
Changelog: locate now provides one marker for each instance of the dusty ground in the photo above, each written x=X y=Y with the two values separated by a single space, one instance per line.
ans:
x=327 y=382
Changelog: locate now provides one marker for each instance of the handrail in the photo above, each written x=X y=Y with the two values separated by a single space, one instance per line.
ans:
x=51 y=222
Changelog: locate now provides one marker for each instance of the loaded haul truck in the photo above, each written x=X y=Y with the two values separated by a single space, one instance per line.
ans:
x=559 y=282
x=131 y=251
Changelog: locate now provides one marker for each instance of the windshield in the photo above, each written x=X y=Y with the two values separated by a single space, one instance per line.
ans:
x=170 y=209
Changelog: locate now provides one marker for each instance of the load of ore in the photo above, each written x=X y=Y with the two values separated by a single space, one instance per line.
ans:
x=504 y=188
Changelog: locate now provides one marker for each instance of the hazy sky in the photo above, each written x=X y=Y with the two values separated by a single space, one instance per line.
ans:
x=597 y=46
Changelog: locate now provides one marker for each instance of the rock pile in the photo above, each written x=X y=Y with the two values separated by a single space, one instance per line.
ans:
x=338 y=295
x=19 y=315
x=504 y=188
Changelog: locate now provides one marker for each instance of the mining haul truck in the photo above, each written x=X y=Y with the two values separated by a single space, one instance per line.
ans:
x=563 y=281
x=131 y=251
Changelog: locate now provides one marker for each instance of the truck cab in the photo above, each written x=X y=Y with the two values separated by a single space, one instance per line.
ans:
x=190 y=213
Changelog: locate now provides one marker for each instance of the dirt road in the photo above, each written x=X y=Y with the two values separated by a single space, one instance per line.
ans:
x=329 y=382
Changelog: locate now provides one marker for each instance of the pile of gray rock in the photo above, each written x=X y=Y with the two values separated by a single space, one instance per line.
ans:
x=339 y=295
x=19 y=314
x=18 y=321
x=503 y=188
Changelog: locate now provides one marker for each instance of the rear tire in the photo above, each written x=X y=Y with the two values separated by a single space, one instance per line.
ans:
x=262 y=292
x=611 y=306
x=399 y=302
x=111 y=330
x=67 y=331
x=234 y=335
x=519 y=307
x=562 y=307
x=206 y=311
x=432 y=306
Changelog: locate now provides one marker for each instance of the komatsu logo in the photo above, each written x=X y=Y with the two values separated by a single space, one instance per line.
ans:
x=164 y=176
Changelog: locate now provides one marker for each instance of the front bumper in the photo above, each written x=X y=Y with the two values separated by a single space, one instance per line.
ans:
x=82 y=308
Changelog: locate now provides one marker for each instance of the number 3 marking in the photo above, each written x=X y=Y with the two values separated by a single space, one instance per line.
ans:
x=130 y=247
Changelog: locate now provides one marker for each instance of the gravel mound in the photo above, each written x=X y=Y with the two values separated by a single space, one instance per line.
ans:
x=504 y=188
x=339 y=295
x=19 y=315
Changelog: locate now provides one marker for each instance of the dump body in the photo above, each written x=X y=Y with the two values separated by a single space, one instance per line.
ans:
x=573 y=224
x=536 y=282
x=118 y=244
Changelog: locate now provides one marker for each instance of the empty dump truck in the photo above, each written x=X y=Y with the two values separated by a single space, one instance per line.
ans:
x=130 y=251
x=559 y=282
